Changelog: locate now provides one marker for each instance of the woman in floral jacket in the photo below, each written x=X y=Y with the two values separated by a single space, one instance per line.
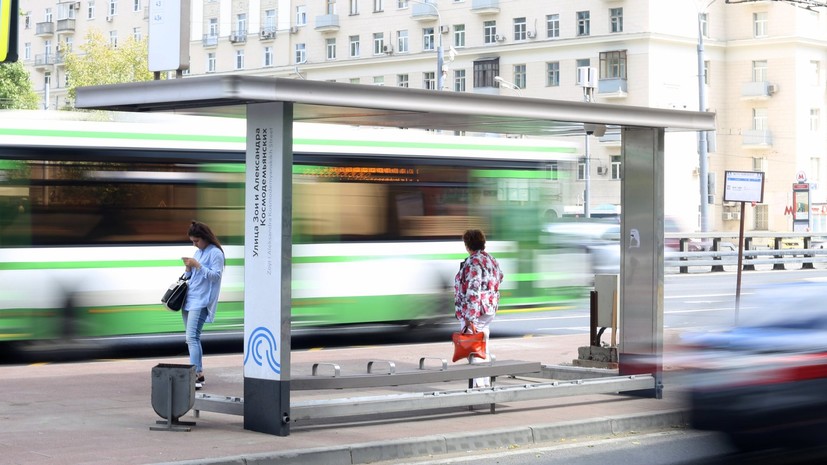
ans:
x=477 y=291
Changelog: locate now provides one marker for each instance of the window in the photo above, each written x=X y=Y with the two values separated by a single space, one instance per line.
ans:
x=581 y=62
x=113 y=39
x=239 y=59
x=485 y=71
x=354 y=7
x=269 y=22
x=402 y=41
x=520 y=76
x=112 y=9
x=330 y=7
x=301 y=53
x=581 y=169
x=762 y=217
x=704 y=19
x=759 y=71
x=241 y=24
x=759 y=119
x=27 y=51
x=583 y=23
x=706 y=72
x=355 y=80
x=759 y=24
x=553 y=74
x=378 y=43
x=211 y=62
x=459 y=80
x=136 y=5
x=428 y=38
x=613 y=65
x=378 y=80
x=552 y=26
x=213 y=27
x=489 y=32
x=136 y=34
x=402 y=80
x=378 y=6
x=815 y=117
x=402 y=3
x=615 y=167
x=354 y=46
x=330 y=48
x=429 y=80
x=301 y=15
x=268 y=56
x=616 y=19
x=459 y=35
x=90 y=9
x=520 y=29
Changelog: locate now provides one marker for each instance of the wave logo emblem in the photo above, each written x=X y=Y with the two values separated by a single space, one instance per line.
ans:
x=262 y=347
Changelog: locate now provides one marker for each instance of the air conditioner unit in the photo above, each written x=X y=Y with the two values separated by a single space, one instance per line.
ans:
x=736 y=216
x=602 y=170
x=267 y=34
x=294 y=29
x=696 y=171
x=532 y=34
x=499 y=38
x=109 y=19
x=772 y=88
x=387 y=49
x=445 y=29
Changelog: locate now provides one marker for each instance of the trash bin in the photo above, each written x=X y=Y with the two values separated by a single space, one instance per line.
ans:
x=173 y=395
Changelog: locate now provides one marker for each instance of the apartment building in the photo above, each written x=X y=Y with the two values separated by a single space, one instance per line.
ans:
x=763 y=72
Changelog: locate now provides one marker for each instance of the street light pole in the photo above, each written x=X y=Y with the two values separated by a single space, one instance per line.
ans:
x=440 y=80
x=703 y=163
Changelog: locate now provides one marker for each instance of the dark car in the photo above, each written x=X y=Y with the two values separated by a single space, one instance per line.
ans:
x=764 y=381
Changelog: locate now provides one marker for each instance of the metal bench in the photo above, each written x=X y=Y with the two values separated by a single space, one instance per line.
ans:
x=423 y=375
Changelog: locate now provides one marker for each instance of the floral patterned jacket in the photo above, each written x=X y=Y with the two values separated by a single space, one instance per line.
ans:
x=477 y=287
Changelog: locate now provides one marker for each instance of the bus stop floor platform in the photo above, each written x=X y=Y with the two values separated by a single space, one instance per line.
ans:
x=100 y=413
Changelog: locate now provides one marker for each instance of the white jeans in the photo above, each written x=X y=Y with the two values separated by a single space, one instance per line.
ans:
x=483 y=324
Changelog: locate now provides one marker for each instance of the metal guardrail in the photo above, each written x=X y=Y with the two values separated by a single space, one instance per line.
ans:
x=717 y=260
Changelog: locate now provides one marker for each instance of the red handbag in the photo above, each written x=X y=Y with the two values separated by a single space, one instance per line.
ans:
x=468 y=343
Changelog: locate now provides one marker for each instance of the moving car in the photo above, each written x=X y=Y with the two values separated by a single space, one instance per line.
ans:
x=763 y=382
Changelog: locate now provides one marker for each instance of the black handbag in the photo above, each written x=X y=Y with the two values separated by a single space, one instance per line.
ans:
x=174 y=297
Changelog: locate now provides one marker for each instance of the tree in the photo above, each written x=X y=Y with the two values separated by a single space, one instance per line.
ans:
x=100 y=63
x=16 y=90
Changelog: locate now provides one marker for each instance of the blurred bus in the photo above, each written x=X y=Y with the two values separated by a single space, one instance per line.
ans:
x=94 y=209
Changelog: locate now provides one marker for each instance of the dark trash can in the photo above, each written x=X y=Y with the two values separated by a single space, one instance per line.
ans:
x=173 y=395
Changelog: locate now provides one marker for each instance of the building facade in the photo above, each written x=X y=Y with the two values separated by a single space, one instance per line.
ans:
x=763 y=72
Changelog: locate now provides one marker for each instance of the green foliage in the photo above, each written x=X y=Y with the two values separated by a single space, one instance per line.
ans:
x=16 y=92
x=97 y=63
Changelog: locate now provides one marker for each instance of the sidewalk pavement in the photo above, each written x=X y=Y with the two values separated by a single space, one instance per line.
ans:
x=99 y=412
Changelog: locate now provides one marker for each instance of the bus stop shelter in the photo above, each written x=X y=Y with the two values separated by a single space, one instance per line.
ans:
x=271 y=105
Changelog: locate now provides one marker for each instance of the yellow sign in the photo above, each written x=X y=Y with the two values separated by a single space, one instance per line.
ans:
x=8 y=31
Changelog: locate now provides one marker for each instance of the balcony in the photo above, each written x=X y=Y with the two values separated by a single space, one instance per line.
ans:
x=43 y=60
x=760 y=90
x=756 y=139
x=60 y=59
x=238 y=37
x=612 y=88
x=44 y=29
x=326 y=23
x=66 y=25
x=485 y=7
x=209 y=40
x=267 y=33
x=424 y=11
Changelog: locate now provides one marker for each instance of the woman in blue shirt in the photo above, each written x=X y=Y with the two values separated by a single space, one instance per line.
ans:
x=204 y=271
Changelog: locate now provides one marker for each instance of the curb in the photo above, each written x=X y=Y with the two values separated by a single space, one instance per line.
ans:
x=424 y=446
